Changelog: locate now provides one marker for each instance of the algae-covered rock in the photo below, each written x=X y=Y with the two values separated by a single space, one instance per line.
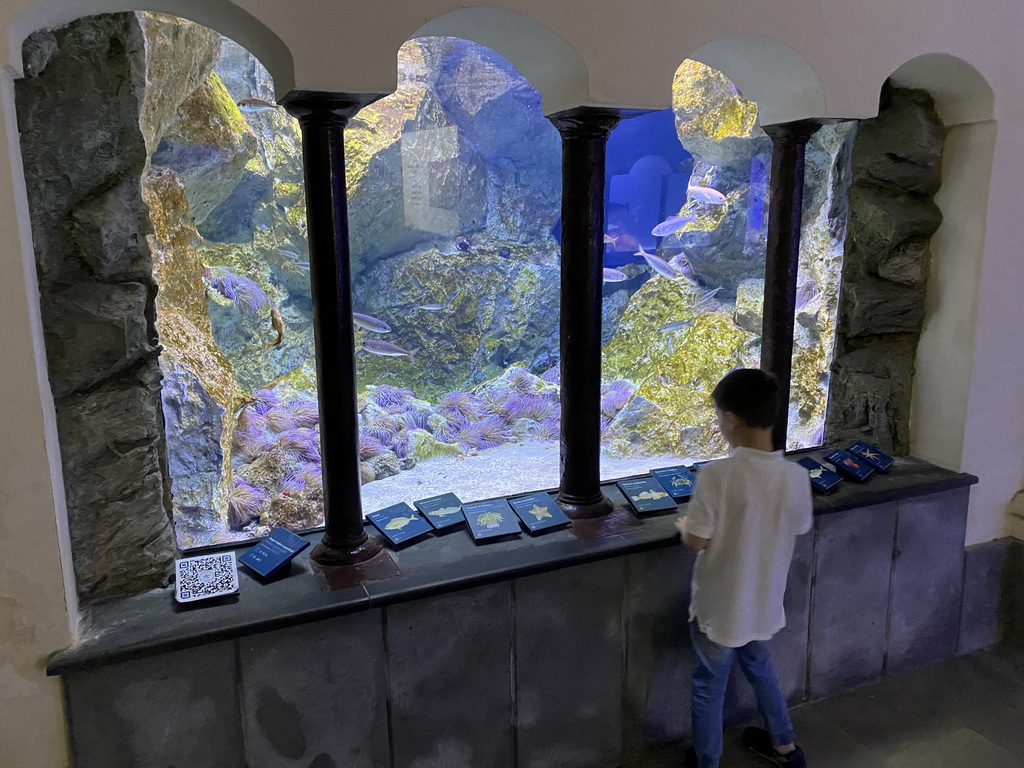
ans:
x=423 y=445
x=495 y=312
x=385 y=465
x=749 y=306
x=674 y=373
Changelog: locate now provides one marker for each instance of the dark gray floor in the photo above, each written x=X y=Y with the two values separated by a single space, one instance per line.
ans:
x=964 y=713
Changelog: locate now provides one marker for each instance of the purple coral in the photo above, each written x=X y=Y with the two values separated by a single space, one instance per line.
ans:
x=547 y=430
x=520 y=378
x=489 y=432
x=400 y=444
x=370 y=446
x=292 y=484
x=381 y=431
x=242 y=290
x=303 y=443
x=310 y=473
x=243 y=503
x=536 y=407
x=281 y=419
x=456 y=405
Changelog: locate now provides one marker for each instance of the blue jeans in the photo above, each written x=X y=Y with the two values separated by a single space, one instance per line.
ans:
x=711 y=666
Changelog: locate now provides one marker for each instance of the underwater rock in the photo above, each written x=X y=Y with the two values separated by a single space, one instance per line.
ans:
x=749 y=307
x=179 y=55
x=366 y=473
x=902 y=147
x=496 y=312
x=296 y=512
x=385 y=465
x=423 y=445
x=208 y=144
x=674 y=379
x=612 y=307
x=714 y=122
x=872 y=306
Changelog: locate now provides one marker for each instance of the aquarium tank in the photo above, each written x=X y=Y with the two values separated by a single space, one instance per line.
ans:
x=454 y=186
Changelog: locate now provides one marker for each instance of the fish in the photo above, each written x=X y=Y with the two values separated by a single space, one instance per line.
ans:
x=707 y=195
x=670 y=225
x=463 y=243
x=304 y=264
x=257 y=105
x=397 y=523
x=445 y=511
x=608 y=239
x=815 y=473
x=370 y=323
x=614 y=276
x=676 y=325
x=290 y=254
x=387 y=349
x=277 y=323
x=430 y=307
x=660 y=266
x=671 y=346
x=707 y=296
x=625 y=242
x=538 y=511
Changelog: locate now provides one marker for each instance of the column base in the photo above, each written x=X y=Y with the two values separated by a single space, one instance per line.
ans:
x=329 y=552
x=577 y=508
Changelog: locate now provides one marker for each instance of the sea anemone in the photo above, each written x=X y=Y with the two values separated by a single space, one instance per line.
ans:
x=615 y=396
x=264 y=400
x=536 y=407
x=400 y=444
x=310 y=473
x=456 y=403
x=448 y=432
x=380 y=431
x=520 y=378
x=489 y=432
x=243 y=503
x=281 y=419
x=249 y=297
x=384 y=395
x=292 y=484
x=547 y=430
x=302 y=443
x=370 y=446
x=552 y=374
x=306 y=413
x=249 y=444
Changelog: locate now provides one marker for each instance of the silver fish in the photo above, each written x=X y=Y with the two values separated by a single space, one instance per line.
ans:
x=671 y=346
x=660 y=266
x=676 y=325
x=430 y=307
x=670 y=225
x=301 y=264
x=609 y=240
x=256 y=105
x=614 y=276
x=707 y=195
x=290 y=254
x=707 y=296
x=387 y=349
x=370 y=323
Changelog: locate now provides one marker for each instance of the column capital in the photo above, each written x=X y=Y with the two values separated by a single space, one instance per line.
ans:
x=326 y=106
x=796 y=132
x=586 y=122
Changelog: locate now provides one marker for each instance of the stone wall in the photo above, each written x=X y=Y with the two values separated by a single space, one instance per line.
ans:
x=85 y=156
x=896 y=167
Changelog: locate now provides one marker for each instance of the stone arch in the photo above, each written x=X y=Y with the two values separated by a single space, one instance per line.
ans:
x=768 y=72
x=545 y=59
x=221 y=16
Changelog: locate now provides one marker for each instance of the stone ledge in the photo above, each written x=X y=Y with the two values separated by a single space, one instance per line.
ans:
x=152 y=623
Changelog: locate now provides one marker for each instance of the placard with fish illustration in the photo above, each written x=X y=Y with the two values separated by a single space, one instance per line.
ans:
x=399 y=523
x=822 y=478
x=539 y=512
x=850 y=466
x=871 y=455
x=274 y=553
x=678 y=481
x=647 y=495
x=444 y=512
x=488 y=519
x=697 y=465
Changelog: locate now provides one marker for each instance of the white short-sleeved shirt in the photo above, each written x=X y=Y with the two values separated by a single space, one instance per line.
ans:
x=751 y=506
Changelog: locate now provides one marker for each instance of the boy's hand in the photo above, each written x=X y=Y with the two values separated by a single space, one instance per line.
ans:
x=692 y=543
x=681 y=526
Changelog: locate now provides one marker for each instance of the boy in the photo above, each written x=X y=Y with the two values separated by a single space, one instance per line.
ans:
x=743 y=519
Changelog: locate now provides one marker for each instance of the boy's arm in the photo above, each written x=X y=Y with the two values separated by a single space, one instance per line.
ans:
x=691 y=542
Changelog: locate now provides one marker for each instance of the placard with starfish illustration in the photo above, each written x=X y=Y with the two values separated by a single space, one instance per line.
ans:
x=822 y=478
x=871 y=455
x=539 y=512
x=678 y=481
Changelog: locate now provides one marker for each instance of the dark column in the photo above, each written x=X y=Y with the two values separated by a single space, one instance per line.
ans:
x=584 y=133
x=323 y=117
x=785 y=206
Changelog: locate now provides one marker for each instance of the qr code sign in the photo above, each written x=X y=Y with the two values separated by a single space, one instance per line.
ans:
x=206 y=576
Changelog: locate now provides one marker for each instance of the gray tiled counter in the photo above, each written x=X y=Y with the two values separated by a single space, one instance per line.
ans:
x=537 y=652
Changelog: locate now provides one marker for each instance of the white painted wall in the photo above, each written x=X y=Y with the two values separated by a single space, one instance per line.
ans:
x=835 y=53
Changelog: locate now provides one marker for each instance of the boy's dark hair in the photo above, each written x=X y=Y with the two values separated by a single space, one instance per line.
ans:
x=751 y=394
